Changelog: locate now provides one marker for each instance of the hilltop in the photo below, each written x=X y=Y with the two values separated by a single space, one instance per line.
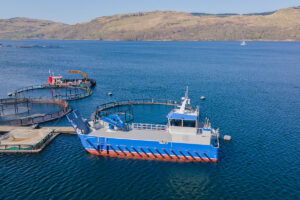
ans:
x=282 y=25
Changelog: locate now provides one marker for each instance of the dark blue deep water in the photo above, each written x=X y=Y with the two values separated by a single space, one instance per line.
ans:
x=252 y=93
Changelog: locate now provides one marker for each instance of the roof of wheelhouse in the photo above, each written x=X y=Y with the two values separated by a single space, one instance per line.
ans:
x=174 y=115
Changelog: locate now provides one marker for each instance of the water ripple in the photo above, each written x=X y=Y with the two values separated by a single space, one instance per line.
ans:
x=252 y=94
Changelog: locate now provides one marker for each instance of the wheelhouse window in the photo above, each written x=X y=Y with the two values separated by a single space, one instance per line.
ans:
x=189 y=123
x=176 y=122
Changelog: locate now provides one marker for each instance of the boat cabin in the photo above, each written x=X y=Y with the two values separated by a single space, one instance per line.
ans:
x=182 y=120
x=55 y=80
x=182 y=123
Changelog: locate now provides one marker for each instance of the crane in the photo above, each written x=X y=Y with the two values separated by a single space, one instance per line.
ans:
x=77 y=71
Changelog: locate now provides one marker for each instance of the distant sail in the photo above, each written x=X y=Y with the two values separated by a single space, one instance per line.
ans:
x=243 y=43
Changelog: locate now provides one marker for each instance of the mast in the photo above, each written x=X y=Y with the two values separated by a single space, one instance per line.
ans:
x=185 y=100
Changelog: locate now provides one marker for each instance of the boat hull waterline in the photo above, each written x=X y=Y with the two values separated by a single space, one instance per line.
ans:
x=148 y=150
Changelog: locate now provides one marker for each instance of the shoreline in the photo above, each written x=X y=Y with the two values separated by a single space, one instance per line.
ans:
x=37 y=39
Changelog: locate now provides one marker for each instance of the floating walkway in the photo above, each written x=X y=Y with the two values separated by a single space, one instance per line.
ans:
x=27 y=140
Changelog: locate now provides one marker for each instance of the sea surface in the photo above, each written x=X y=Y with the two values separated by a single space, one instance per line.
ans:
x=252 y=93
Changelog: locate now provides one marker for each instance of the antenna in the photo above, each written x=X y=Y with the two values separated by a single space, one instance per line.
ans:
x=187 y=92
x=185 y=100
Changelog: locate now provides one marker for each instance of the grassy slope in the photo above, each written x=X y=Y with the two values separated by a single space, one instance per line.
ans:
x=22 y=28
x=281 y=25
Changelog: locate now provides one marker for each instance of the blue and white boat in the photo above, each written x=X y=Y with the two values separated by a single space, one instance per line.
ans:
x=181 y=139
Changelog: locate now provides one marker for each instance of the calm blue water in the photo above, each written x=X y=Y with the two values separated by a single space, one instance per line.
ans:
x=252 y=94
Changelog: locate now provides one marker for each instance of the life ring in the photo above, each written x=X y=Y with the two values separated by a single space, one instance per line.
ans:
x=200 y=125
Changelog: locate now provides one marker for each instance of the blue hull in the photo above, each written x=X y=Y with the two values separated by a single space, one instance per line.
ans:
x=148 y=149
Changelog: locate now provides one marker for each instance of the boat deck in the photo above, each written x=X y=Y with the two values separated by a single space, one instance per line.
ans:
x=146 y=135
x=161 y=136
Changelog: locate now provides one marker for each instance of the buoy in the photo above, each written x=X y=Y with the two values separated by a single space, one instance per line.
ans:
x=109 y=94
x=202 y=97
x=227 y=137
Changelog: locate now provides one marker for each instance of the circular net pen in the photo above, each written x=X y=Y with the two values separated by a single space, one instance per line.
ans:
x=125 y=112
x=67 y=93
x=126 y=108
x=25 y=112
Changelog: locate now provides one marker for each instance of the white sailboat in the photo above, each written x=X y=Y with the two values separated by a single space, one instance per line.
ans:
x=243 y=43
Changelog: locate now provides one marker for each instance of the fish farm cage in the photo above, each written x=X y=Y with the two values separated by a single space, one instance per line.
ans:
x=125 y=108
x=25 y=111
x=67 y=93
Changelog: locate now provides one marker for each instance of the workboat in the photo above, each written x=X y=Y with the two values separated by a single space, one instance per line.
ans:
x=59 y=81
x=183 y=138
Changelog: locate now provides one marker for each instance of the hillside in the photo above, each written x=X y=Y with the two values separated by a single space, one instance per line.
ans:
x=282 y=25
x=21 y=28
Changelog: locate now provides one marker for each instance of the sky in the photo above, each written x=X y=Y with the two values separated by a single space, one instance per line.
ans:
x=76 y=11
